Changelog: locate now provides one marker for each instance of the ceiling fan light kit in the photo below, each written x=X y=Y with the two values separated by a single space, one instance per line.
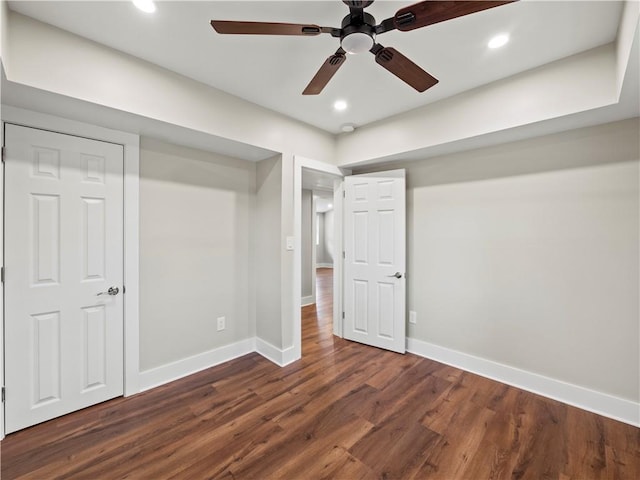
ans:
x=357 y=42
x=358 y=34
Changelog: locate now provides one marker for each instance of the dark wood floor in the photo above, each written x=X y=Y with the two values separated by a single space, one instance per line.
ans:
x=345 y=411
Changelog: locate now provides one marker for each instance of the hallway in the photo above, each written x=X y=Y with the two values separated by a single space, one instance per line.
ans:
x=317 y=319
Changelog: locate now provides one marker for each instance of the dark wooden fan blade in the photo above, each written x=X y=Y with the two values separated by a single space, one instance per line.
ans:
x=264 y=28
x=403 y=68
x=326 y=72
x=434 y=11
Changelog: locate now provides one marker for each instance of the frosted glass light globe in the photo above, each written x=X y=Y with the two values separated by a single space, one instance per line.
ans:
x=357 y=42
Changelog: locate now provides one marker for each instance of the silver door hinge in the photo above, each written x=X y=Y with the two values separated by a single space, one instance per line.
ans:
x=124 y=289
x=1 y=274
x=343 y=315
x=343 y=255
x=2 y=394
x=3 y=148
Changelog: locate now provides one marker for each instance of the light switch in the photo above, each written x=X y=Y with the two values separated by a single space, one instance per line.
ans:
x=290 y=243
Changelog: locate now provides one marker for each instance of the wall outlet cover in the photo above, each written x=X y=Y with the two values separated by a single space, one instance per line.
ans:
x=413 y=317
x=222 y=323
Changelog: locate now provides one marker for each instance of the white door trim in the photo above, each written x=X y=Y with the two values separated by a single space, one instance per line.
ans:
x=300 y=163
x=338 y=259
x=131 y=144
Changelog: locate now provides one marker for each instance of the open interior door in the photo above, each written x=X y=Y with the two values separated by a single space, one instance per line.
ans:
x=374 y=245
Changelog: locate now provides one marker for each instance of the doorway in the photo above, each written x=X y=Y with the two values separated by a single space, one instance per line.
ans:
x=317 y=315
x=317 y=318
x=317 y=239
x=369 y=276
x=325 y=254
x=317 y=252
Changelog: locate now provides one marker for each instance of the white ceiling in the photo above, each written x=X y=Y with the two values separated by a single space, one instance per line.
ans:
x=272 y=71
x=319 y=182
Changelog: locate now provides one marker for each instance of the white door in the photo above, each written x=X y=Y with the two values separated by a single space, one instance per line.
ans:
x=374 y=244
x=63 y=254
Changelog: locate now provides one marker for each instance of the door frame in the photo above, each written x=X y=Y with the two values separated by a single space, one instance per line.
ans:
x=299 y=163
x=131 y=147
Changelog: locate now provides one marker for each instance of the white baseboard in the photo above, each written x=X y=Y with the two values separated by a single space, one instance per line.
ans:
x=324 y=265
x=289 y=356
x=597 y=402
x=274 y=354
x=310 y=300
x=173 y=371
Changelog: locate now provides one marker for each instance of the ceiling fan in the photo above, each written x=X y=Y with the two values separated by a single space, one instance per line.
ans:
x=358 y=34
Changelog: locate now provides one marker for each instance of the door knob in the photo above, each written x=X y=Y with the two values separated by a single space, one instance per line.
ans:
x=111 y=291
x=396 y=275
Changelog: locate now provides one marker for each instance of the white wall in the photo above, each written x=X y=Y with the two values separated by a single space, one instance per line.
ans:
x=326 y=247
x=320 y=251
x=4 y=19
x=307 y=240
x=195 y=210
x=276 y=293
x=267 y=241
x=328 y=240
x=288 y=297
x=526 y=254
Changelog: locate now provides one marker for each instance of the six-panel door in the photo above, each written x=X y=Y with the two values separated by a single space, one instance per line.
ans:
x=63 y=247
x=374 y=243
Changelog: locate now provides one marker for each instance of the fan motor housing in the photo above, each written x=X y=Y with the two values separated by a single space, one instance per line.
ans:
x=358 y=33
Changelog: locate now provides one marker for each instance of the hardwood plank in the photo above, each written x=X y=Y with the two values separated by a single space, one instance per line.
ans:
x=390 y=371
x=395 y=449
x=543 y=451
x=497 y=453
x=344 y=411
x=458 y=444
x=339 y=464
x=411 y=392
x=587 y=445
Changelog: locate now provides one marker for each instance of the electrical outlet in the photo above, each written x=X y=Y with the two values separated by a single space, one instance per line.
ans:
x=221 y=323
x=413 y=317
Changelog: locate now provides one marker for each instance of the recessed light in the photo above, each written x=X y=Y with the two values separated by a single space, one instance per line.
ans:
x=498 y=41
x=145 y=5
x=340 y=105
x=348 y=127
